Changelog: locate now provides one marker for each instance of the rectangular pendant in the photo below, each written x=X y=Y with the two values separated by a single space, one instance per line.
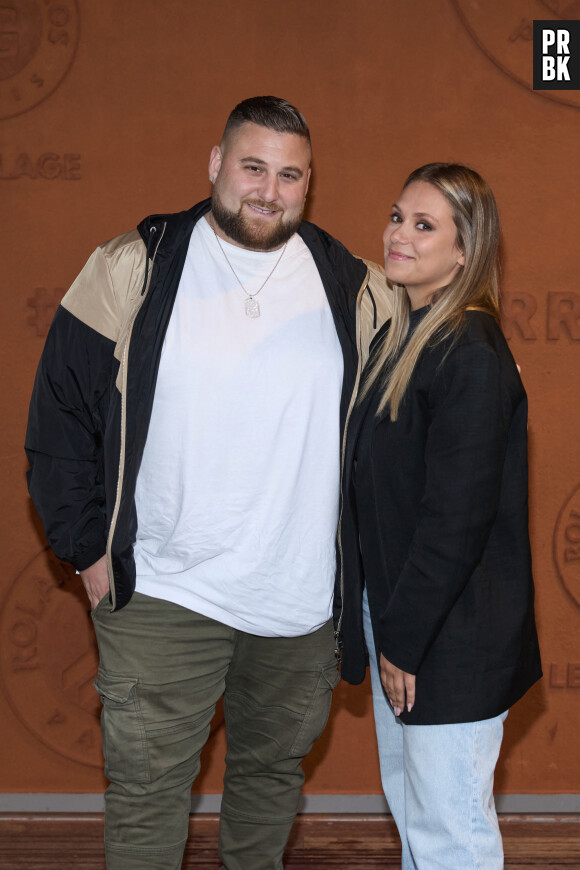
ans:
x=252 y=307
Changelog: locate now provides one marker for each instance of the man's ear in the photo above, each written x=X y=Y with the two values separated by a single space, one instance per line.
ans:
x=215 y=162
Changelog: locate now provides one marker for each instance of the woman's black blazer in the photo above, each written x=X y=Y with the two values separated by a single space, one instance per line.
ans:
x=435 y=522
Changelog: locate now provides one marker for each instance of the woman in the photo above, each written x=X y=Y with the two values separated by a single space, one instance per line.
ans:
x=434 y=533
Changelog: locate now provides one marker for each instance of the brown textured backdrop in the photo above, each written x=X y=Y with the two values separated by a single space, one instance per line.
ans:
x=108 y=110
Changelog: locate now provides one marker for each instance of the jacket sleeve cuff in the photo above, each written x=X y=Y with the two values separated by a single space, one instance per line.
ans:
x=89 y=557
x=403 y=659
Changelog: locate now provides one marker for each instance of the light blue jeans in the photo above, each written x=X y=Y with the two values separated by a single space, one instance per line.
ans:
x=438 y=781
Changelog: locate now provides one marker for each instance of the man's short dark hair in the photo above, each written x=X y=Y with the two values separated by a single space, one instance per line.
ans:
x=272 y=112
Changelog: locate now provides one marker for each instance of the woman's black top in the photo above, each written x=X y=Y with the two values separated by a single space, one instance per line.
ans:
x=435 y=522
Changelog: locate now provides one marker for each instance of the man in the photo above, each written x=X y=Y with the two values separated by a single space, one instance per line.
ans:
x=184 y=442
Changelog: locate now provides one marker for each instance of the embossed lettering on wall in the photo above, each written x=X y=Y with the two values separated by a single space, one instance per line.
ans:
x=50 y=166
x=48 y=659
x=566 y=545
x=38 y=40
x=504 y=33
x=564 y=675
x=520 y=317
x=44 y=304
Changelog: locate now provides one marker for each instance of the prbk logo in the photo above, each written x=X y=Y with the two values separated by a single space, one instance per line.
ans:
x=556 y=55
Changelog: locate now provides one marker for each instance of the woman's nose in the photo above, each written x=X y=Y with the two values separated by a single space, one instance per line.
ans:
x=398 y=234
x=394 y=234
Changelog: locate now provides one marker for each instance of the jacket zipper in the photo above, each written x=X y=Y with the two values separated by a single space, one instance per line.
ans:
x=358 y=333
x=124 y=359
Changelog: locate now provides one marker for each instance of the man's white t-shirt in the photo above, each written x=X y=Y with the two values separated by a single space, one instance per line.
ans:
x=237 y=494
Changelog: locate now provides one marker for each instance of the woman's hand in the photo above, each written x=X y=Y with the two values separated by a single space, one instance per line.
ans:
x=397 y=684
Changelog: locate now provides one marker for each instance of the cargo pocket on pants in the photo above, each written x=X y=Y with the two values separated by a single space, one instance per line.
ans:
x=123 y=729
x=316 y=716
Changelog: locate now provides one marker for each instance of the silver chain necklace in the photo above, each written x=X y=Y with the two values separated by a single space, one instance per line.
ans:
x=251 y=304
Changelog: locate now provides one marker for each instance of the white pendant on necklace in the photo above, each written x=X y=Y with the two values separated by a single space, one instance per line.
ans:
x=252 y=307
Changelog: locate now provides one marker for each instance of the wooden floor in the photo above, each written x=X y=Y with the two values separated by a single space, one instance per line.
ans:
x=66 y=842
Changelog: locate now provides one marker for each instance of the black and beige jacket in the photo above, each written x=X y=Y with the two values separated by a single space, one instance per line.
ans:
x=95 y=384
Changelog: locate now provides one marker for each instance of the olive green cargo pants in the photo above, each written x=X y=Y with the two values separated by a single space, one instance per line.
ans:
x=162 y=670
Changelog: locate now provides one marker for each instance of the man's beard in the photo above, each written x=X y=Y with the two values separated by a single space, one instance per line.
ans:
x=256 y=237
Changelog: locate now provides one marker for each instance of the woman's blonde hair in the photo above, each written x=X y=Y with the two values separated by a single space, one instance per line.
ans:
x=475 y=285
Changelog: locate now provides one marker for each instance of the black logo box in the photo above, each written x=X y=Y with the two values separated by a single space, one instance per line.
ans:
x=559 y=41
